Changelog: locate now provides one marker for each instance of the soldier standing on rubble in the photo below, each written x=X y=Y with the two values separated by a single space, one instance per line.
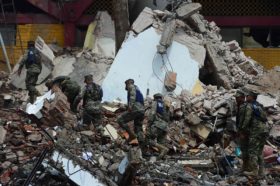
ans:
x=253 y=122
x=158 y=119
x=92 y=96
x=32 y=61
x=243 y=137
x=70 y=88
x=135 y=111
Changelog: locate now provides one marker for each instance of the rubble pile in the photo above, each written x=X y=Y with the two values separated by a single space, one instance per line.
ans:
x=48 y=144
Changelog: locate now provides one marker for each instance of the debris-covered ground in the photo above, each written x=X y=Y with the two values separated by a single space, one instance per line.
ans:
x=46 y=145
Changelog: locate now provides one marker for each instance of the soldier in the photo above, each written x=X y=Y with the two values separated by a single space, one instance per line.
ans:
x=135 y=111
x=92 y=96
x=32 y=61
x=253 y=122
x=243 y=137
x=157 y=125
x=70 y=88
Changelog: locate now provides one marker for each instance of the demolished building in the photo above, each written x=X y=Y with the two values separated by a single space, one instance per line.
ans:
x=201 y=141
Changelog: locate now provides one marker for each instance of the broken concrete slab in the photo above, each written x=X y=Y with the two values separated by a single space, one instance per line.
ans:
x=193 y=119
x=201 y=130
x=248 y=67
x=110 y=131
x=266 y=101
x=207 y=104
x=167 y=36
x=147 y=69
x=35 y=137
x=197 y=23
x=143 y=21
x=218 y=65
x=188 y=9
x=197 y=163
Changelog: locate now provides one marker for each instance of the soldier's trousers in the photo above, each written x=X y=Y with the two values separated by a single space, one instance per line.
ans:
x=155 y=134
x=30 y=81
x=71 y=98
x=255 y=149
x=92 y=114
x=244 y=144
x=137 y=117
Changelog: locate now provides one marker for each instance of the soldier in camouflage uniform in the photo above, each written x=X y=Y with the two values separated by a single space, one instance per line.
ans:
x=92 y=96
x=243 y=137
x=253 y=122
x=32 y=61
x=158 y=119
x=70 y=88
x=135 y=111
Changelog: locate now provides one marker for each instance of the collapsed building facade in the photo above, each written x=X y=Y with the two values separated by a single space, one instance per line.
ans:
x=43 y=145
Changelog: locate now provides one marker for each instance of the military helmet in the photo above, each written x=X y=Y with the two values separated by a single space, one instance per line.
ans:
x=239 y=93
x=129 y=81
x=158 y=95
x=59 y=79
x=88 y=77
x=30 y=43
x=252 y=93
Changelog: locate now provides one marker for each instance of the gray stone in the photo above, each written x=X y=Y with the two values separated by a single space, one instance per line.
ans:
x=207 y=104
x=193 y=119
x=197 y=23
x=87 y=133
x=143 y=21
x=266 y=101
x=113 y=167
x=3 y=133
x=11 y=156
x=35 y=137
x=187 y=9
x=20 y=153
x=222 y=111
x=6 y=164
x=220 y=103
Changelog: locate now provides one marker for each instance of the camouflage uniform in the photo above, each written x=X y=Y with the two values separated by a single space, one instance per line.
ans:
x=33 y=70
x=92 y=96
x=136 y=113
x=158 y=120
x=71 y=89
x=252 y=122
x=244 y=141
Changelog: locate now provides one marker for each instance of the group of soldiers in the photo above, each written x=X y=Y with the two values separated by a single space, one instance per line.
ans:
x=251 y=118
x=92 y=95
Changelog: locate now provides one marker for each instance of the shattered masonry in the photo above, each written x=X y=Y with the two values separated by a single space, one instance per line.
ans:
x=201 y=137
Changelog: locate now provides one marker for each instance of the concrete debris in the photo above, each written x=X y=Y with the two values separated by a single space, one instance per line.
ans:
x=266 y=101
x=100 y=37
x=187 y=9
x=144 y=20
x=201 y=141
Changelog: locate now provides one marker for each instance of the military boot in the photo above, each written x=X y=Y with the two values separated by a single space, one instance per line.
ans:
x=261 y=172
x=132 y=136
x=253 y=173
x=163 y=150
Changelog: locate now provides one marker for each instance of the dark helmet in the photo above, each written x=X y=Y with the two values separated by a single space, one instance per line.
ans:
x=89 y=77
x=30 y=43
x=59 y=79
x=239 y=93
x=158 y=96
x=129 y=81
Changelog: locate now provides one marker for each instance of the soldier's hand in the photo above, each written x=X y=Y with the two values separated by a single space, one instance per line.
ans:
x=129 y=109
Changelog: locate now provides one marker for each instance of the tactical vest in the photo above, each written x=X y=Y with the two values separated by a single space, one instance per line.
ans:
x=93 y=92
x=258 y=112
x=139 y=96
x=160 y=107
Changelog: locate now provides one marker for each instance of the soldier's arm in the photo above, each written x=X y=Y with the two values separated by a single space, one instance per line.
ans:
x=78 y=99
x=21 y=63
x=132 y=98
x=153 y=111
x=245 y=118
x=101 y=93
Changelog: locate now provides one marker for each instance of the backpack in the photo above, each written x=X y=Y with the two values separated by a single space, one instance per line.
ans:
x=31 y=56
x=258 y=112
